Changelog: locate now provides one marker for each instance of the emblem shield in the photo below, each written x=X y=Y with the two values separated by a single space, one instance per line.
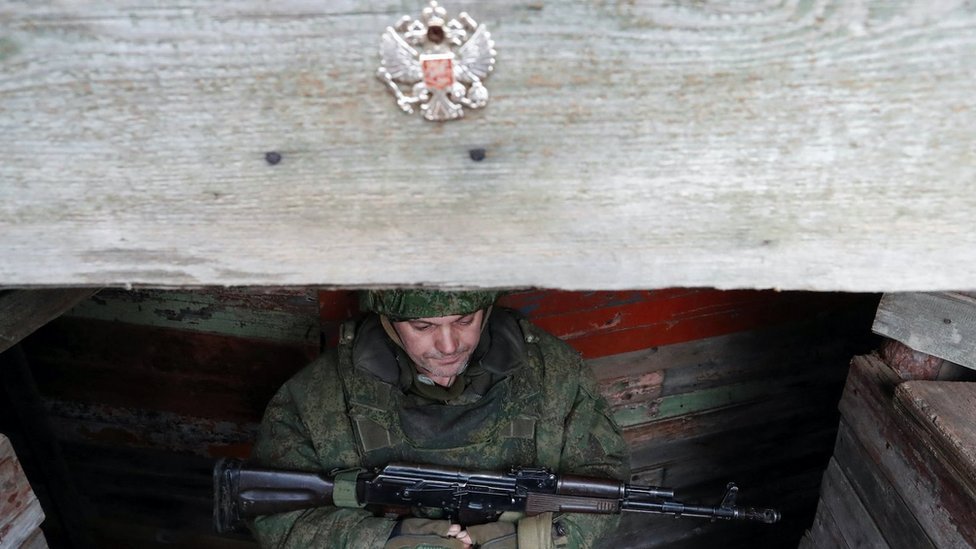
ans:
x=438 y=70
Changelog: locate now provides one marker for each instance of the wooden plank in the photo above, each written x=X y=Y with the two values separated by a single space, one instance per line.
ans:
x=99 y=423
x=717 y=420
x=653 y=145
x=934 y=496
x=852 y=519
x=276 y=314
x=944 y=412
x=688 y=378
x=887 y=508
x=718 y=459
x=608 y=323
x=824 y=533
x=23 y=311
x=20 y=511
x=939 y=324
x=189 y=373
x=653 y=323
x=725 y=396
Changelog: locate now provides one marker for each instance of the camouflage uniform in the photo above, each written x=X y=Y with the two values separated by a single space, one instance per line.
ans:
x=527 y=400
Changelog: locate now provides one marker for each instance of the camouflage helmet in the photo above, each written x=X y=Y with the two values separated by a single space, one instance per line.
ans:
x=406 y=304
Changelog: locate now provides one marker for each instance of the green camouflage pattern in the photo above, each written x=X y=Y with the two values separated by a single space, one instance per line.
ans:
x=417 y=303
x=315 y=423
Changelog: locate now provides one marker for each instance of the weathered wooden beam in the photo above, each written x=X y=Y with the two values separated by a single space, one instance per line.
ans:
x=886 y=507
x=941 y=414
x=853 y=521
x=23 y=311
x=806 y=145
x=939 y=324
x=929 y=487
x=824 y=533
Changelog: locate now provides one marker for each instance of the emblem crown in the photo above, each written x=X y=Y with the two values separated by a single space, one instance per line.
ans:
x=437 y=63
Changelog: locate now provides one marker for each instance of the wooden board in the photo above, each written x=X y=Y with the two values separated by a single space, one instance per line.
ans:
x=285 y=315
x=853 y=521
x=822 y=145
x=20 y=511
x=939 y=324
x=930 y=489
x=190 y=373
x=887 y=508
x=609 y=323
x=824 y=533
x=605 y=323
x=945 y=412
x=703 y=387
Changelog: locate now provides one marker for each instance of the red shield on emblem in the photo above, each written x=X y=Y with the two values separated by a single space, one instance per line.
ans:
x=438 y=70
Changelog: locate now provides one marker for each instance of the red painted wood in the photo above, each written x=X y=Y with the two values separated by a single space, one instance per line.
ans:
x=338 y=305
x=652 y=324
x=612 y=322
x=335 y=307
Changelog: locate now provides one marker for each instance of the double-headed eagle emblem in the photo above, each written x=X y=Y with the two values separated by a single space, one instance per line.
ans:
x=437 y=65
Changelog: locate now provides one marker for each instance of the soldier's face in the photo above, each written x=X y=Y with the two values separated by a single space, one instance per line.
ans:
x=441 y=346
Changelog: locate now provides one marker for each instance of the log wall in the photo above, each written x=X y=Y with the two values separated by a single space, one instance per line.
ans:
x=146 y=388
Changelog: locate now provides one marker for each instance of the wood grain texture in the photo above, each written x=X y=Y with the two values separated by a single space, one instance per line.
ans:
x=944 y=411
x=931 y=490
x=887 y=508
x=823 y=534
x=940 y=324
x=807 y=145
x=853 y=520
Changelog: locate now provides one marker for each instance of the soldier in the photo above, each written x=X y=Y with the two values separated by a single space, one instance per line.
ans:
x=441 y=378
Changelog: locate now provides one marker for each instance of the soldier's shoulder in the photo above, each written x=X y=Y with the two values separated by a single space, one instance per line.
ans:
x=562 y=362
x=318 y=378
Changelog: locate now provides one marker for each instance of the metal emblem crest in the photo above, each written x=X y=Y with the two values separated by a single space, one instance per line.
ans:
x=437 y=64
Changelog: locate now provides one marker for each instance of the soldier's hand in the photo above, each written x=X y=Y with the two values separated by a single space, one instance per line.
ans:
x=414 y=533
x=494 y=535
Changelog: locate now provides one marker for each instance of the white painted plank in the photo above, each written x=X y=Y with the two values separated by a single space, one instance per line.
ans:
x=803 y=145
x=939 y=324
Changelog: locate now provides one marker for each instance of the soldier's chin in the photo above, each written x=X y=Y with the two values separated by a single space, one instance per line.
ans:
x=445 y=368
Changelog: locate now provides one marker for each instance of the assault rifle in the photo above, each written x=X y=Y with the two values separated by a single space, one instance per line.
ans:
x=464 y=497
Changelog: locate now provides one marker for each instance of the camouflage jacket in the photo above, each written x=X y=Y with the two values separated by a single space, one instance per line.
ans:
x=529 y=401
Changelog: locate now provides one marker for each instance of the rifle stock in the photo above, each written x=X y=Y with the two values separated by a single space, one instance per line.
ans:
x=468 y=497
x=245 y=492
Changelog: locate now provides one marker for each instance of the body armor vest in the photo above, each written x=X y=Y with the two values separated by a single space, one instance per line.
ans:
x=497 y=429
